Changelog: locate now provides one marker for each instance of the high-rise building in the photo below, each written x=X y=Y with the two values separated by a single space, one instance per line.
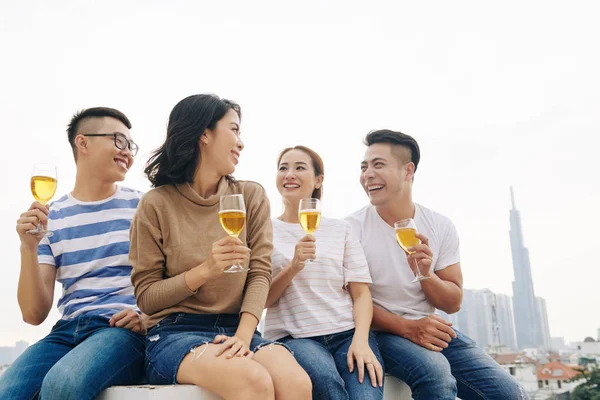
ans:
x=527 y=321
x=544 y=325
x=487 y=318
x=506 y=322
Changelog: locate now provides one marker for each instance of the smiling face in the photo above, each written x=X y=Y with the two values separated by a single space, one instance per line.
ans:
x=99 y=154
x=221 y=147
x=386 y=173
x=296 y=177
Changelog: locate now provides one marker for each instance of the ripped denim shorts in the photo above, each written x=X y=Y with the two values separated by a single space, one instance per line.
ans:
x=170 y=340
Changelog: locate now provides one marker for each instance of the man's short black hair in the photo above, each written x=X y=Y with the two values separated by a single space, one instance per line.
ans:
x=95 y=112
x=395 y=138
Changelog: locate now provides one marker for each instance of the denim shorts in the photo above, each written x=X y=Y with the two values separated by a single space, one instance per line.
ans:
x=170 y=340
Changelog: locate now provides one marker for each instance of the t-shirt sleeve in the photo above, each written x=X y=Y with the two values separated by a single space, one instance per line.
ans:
x=45 y=255
x=355 y=264
x=449 y=246
x=355 y=223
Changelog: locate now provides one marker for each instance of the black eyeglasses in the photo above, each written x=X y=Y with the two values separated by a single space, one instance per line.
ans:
x=121 y=142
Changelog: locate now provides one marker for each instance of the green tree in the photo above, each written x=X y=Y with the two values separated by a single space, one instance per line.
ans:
x=590 y=388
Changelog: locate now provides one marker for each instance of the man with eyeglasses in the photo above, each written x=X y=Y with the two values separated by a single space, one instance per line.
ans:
x=97 y=343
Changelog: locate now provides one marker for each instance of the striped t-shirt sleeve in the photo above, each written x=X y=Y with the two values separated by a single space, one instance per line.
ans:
x=45 y=255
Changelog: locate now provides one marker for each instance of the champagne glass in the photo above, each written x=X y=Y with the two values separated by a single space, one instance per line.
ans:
x=43 y=188
x=232 y=215
x=309 y=214
x=406 y=231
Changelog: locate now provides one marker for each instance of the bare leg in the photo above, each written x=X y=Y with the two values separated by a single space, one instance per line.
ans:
x=290 y=380
x=236 y=378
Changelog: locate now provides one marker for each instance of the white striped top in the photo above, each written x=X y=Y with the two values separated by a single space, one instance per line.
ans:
x=316 y=302
x=90 y=250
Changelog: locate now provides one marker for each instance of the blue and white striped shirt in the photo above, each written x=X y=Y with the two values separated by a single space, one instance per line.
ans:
x=90 y=250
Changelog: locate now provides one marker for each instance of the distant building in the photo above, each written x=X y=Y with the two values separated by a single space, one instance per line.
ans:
x=557 y=344
x=10 y=354
x=476 y=319
x=554 y=377
x=522 y=368
x=544 y=325
x=588 y=348
x=528 y=324
x=506 y=321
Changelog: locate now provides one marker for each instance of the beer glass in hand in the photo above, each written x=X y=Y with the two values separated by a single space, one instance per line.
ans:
x=309 y=214
x=43 y=188
x=232 y=215
x=406 y=231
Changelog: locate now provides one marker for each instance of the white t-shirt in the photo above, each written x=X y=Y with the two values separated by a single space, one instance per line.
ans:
x=392 y=289
x=316 y=302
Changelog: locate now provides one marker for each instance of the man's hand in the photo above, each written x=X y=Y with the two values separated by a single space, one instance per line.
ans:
x=29 y=220
x=128 y=319
x=431 y=332
x=421 y=255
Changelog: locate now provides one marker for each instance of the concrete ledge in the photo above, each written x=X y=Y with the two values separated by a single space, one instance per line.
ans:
x=393 y=390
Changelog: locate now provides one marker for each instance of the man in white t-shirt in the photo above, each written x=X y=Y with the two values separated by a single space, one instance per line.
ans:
x=418 y=346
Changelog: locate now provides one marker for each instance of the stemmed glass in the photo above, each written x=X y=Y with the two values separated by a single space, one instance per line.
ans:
x=43 y=188
x=309 y=214
x=232 y=215
x=406 y=231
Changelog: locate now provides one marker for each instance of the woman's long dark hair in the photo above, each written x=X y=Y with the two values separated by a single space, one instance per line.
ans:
x=176 y=160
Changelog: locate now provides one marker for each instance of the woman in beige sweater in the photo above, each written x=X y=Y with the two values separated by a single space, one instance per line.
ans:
x=202 y=321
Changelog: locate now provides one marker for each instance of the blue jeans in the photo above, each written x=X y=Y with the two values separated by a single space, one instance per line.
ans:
x=78 y=360
x=462 y=369
x=324 y=360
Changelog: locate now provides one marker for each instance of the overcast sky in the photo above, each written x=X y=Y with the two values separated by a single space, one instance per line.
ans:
x=497 y=94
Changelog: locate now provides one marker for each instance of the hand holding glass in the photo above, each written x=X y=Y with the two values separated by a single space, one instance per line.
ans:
x=406 y=231
x=43 y=187
x=309 y=214
x=232 y=215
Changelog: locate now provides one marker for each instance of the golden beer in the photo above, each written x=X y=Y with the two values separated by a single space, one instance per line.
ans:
x=309 y=220
x=232 y=221
x=407 y=238
x=43 y=188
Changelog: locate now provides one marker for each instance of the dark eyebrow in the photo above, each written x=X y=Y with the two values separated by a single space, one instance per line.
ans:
x=374 y=160
x=299 y=162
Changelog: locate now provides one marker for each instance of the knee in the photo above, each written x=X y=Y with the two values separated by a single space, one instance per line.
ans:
x=326 y=380
x=511 y=389
x=300 y=381
x=257 y=383
x=61 y=382
x=437 y=371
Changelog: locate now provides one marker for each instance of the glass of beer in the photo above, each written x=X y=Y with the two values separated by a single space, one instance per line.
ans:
x=406 y=231
x=232 y=215
x=43 y=187
x=309 y=214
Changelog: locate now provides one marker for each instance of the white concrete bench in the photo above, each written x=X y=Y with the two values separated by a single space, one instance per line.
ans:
x=393 y=390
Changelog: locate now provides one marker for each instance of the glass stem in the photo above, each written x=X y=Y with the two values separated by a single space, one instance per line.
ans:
x=418 y=274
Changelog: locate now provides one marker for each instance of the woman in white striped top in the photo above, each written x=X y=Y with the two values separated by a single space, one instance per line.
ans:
x=321 y=309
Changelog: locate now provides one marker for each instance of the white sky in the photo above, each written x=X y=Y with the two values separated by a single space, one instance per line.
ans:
x=497 y=94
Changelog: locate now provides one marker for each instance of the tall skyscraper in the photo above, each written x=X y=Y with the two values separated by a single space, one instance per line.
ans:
x=527 y=321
